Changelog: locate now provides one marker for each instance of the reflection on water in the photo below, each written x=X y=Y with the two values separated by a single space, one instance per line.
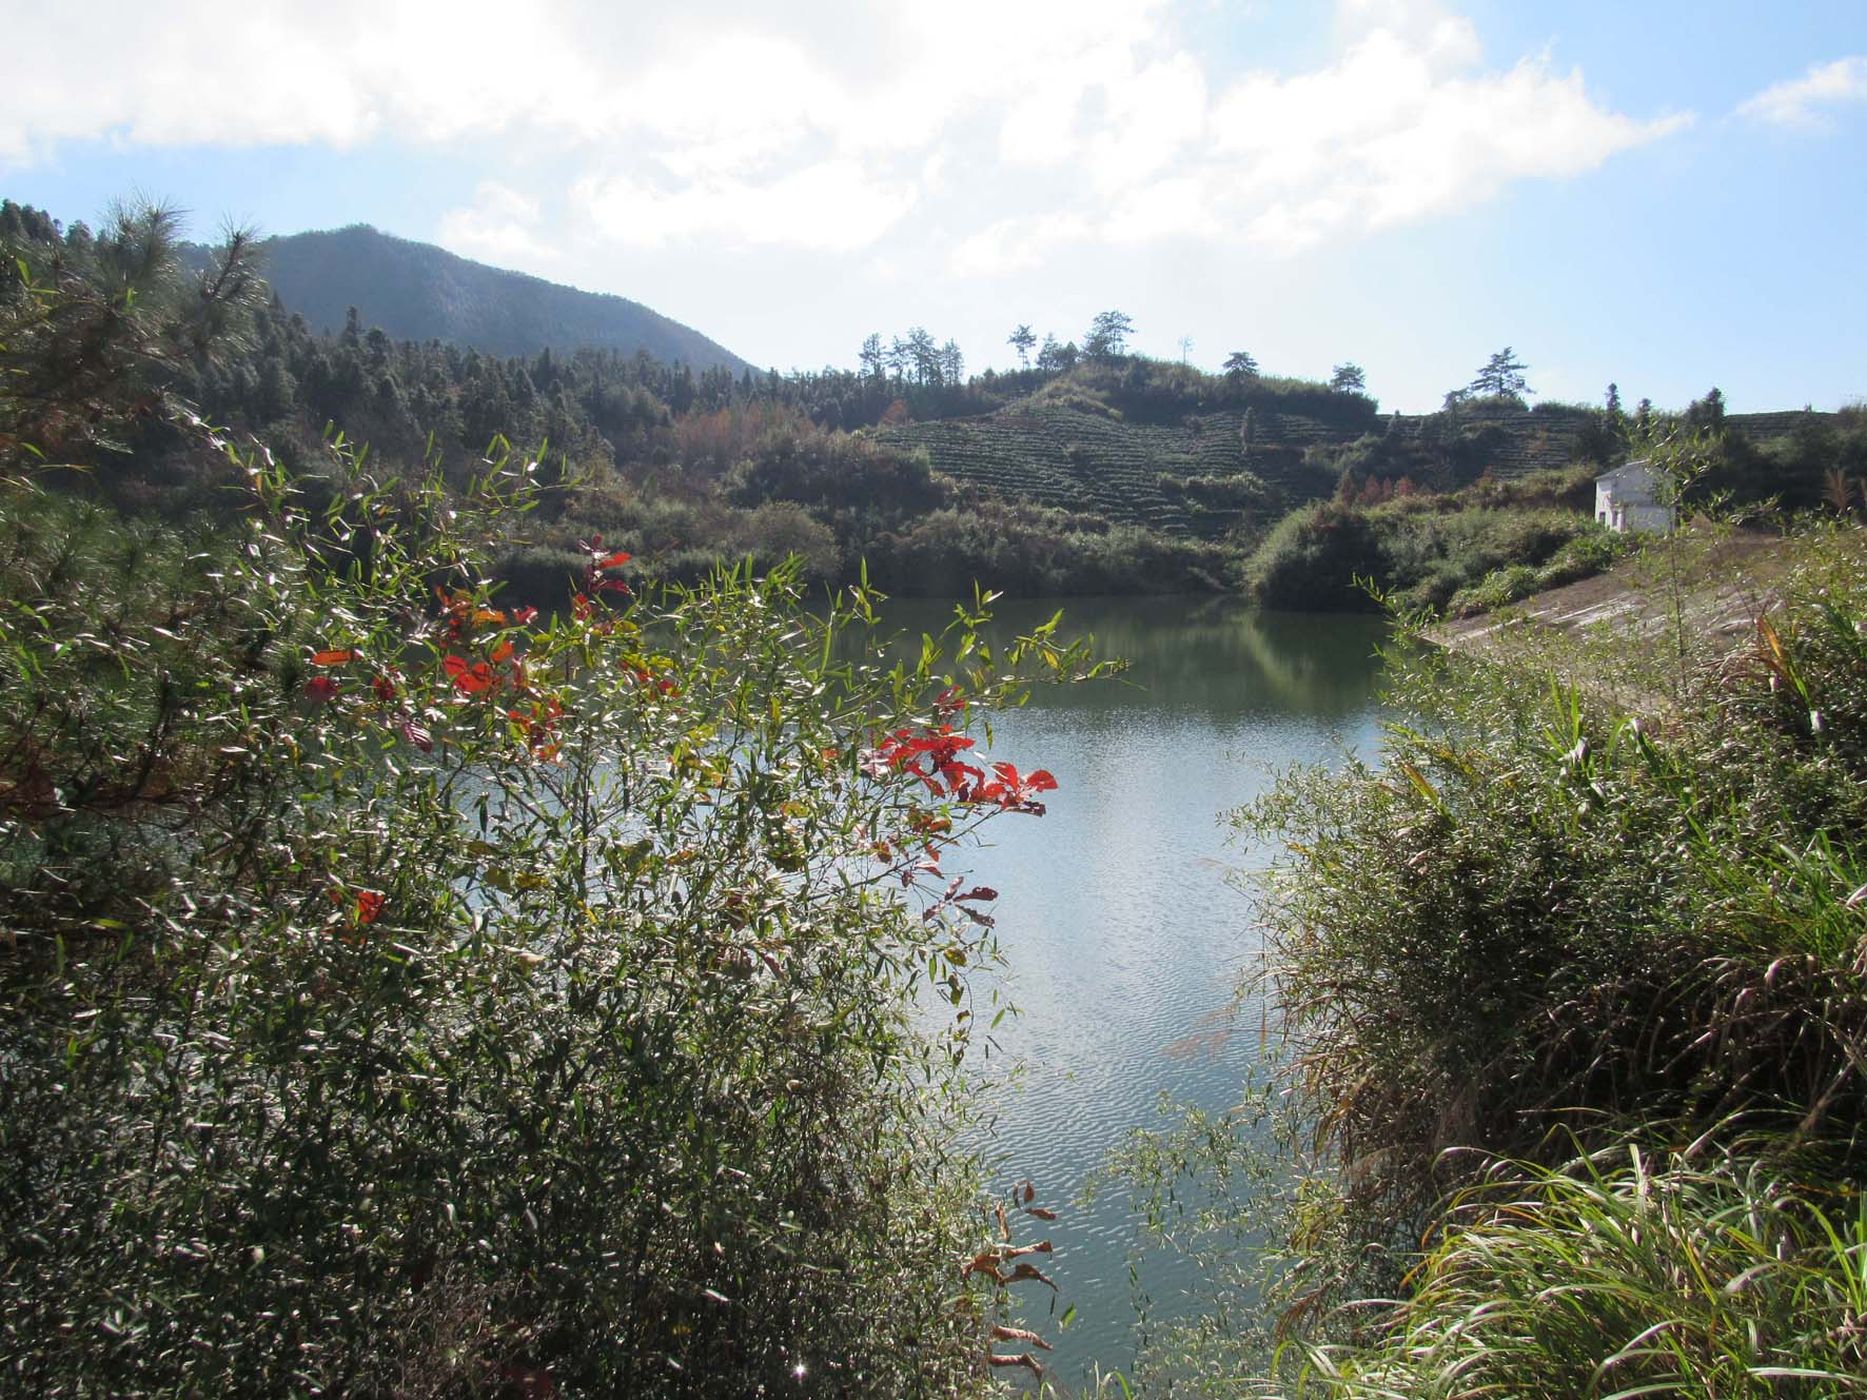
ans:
x=1123 y=937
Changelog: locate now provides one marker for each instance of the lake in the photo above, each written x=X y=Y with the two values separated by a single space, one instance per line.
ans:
x=1123 y=931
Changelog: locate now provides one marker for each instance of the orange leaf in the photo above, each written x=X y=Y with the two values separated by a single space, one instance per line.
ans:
x=1026 y=1360
x=1002 y=1333
x=1024 y=1271
x=334 y=657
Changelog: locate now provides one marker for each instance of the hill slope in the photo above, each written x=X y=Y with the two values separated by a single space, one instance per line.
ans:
x=415 y=291
x=1206 y=467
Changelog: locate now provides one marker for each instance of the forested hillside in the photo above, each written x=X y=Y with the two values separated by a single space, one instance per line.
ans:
x=415 y=291
x=1085 y=471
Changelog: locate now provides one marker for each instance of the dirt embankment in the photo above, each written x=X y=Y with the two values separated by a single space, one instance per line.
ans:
x=1708 y=587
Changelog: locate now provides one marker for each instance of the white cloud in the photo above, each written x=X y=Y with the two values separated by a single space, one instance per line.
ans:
x=1004 y=129
x=1015 y=245
x=834 y=207
x=1799 y=101
x=1404 y=124
x=502 y=226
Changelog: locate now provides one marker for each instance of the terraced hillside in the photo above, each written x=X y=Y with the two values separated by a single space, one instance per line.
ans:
x=1212 y=470
x=1204 y=474
x=1130 y=473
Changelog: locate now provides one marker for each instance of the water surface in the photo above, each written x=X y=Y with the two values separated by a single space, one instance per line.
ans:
x=1124 y=937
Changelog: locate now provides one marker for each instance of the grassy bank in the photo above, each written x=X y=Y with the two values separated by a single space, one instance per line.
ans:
x=1549 y=969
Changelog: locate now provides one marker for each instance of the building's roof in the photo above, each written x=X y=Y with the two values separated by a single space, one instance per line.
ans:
x=1640 y=466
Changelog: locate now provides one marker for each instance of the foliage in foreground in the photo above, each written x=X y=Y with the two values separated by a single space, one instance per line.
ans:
x=1537 y=911
x=1621 y=1278
x=1543 y=925
x=408 y=994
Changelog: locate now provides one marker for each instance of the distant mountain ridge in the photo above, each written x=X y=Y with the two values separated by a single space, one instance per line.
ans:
x=416 y=291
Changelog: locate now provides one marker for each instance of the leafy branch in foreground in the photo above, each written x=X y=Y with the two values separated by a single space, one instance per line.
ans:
x=407 y=993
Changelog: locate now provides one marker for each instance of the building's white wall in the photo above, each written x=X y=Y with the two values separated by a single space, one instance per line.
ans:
x=1647 y=519
x=1628 y=499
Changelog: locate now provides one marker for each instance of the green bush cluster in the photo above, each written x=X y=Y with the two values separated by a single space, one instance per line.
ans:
x=1415 y=552
x=1583 y=557
x=403 y=992
x=1538 y=925
x=406 y=996
x=1626 y=1275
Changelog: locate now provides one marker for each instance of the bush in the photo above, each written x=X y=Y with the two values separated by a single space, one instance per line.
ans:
x=1417 y=550
x=1539 y=917
x=1649 y=1277
x=1313 y=558
x=407 y=995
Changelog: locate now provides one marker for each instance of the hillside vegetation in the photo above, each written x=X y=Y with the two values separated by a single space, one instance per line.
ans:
x=1094 y=471
x=415 y=291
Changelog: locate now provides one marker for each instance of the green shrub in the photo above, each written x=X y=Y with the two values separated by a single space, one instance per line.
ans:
x=400 y=994
x=1652 y=1277
x=1584 y=556
x=1313 y=558
x=1537 y=916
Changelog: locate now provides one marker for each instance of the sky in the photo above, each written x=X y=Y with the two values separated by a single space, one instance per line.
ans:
x=1667 y=195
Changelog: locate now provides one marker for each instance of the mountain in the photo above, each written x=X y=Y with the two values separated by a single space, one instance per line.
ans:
x=415 y=291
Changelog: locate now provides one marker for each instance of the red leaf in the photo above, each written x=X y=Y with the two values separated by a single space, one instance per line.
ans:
x=1041 y=781
x=525 y=616
x=384 y=688
x=471 y=678
x=611 y=585
x=500 y=652
x=416 y=735
x=611 y=561
x=321 y=689
x=369 y=906
x=978 y=892
x=1024 y=1271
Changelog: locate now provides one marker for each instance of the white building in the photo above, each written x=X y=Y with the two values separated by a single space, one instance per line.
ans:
x=1634 y=498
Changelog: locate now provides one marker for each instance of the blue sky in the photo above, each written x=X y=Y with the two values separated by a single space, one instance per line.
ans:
x=1666 y=195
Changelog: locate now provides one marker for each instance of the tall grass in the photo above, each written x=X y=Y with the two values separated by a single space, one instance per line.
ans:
x=1613 y=1280
x=1541 y=920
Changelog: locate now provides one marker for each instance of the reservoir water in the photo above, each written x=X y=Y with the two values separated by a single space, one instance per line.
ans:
x=1123 y=927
